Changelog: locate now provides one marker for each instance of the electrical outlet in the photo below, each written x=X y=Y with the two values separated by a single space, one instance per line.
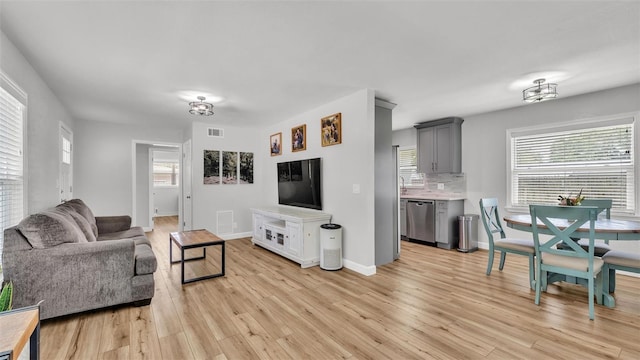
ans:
x=356 y=188
x=440 y=186
x=235 y=225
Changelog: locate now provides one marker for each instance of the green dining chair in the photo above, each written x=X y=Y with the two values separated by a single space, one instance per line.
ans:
x=604 y=206
x=618 y=260
x=493 y=225
x=575 y=261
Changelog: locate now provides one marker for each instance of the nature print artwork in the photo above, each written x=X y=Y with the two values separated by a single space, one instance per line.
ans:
x=246 y=168
x=299 y=138
x=229 y=167
x=331 y=128
x=211 y=167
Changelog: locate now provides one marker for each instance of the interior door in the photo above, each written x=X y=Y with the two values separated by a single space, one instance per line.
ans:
x=66 y=166
x=187 y=206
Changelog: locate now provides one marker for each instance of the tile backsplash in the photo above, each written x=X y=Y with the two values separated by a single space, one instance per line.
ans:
x=449 y=184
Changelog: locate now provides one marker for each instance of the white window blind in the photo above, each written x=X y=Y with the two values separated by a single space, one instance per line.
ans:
x=11 y=162
x=597 y=158
x=407 y=164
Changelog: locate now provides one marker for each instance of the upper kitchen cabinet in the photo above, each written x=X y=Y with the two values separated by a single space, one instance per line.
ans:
x=440 y=146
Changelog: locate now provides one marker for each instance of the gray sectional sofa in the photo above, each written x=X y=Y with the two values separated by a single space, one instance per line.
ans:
x=76 y=262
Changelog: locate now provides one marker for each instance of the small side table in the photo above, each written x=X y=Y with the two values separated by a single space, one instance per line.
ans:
x=191 y=240
x=16 y=326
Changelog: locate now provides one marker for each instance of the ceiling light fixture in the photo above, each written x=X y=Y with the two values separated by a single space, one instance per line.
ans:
x=540 y=92
x=201 y=107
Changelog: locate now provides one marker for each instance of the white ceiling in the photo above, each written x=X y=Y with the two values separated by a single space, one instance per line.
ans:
x=134 y=61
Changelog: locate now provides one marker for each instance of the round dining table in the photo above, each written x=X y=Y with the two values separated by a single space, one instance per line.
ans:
x=605 y=229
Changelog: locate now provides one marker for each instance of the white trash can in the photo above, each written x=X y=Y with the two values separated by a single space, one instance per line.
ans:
x=330 y=247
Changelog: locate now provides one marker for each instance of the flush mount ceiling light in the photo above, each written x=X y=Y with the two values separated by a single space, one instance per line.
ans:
x=201 y=107
x=540 y=92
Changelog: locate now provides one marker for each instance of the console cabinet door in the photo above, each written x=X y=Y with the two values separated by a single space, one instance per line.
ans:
x=258 y=229
x=293 y=230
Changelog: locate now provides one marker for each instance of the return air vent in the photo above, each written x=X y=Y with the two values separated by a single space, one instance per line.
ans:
x=214 y=132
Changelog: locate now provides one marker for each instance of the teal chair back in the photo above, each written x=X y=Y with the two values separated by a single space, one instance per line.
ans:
x=571 y=259
x=603 y=205
x=491 y=218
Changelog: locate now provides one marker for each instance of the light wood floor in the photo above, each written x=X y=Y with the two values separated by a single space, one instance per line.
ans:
x=432 y=303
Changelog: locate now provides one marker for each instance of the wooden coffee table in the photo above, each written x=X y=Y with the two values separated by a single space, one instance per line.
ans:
x=191 y=240
x=16 y=327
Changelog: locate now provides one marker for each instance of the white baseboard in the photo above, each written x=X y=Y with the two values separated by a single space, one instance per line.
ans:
x=147 y=228
x=235 y=236
x=364 y=270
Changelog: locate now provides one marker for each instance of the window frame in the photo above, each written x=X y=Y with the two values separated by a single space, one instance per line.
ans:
x=177 y=173
x=580 y=124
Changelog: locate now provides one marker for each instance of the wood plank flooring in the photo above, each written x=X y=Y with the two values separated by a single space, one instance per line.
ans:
x=430 y=304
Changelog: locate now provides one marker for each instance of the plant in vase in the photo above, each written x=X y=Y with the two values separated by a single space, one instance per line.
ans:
x=571 y=201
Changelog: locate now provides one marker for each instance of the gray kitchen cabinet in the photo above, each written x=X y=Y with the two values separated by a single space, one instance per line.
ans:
x=440 y=146
x=447 y=212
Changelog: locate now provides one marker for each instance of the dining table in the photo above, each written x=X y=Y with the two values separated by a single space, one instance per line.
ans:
x=605 y=229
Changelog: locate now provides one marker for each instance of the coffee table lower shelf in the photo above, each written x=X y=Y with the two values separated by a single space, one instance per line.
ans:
x=191 y=240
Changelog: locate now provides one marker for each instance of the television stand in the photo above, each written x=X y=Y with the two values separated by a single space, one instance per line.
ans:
x=290 y=232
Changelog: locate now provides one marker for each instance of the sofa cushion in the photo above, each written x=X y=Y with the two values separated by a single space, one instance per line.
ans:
x=145 y=260
x=50 y=228
x=134 y=232
x=81 y=208
x=82 y=223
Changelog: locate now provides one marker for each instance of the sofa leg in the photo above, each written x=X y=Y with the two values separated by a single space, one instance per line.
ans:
x=144 y=302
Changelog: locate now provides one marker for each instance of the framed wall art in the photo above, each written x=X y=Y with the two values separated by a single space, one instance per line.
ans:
x=229 y=167
x=299 y=138
x=331 y=129
x=211 y=167
x=275 y=144
x=246 y=168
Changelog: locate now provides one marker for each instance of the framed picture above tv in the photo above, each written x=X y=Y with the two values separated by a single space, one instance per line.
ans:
x=299 y=138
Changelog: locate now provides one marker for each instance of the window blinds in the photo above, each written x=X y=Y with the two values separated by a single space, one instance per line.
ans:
x=11 y=162
x=597 y=160
x=407 y=164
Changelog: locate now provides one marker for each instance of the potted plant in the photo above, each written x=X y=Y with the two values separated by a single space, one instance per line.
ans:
x=6 y=295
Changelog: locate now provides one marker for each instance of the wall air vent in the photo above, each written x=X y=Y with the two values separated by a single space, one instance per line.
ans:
x=214 y=132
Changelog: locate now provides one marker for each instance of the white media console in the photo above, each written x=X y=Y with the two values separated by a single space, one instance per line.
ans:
x=290 y=232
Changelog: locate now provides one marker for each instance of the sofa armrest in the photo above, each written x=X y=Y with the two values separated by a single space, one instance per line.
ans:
x=111 y=224
x=72 y=276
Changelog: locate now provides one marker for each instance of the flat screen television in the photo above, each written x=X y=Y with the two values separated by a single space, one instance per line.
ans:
x=300 y=183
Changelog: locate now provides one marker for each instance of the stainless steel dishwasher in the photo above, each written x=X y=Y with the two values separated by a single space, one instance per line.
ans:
x=421 y=220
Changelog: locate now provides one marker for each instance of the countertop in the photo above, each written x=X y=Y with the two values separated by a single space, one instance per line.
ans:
x=433 y=196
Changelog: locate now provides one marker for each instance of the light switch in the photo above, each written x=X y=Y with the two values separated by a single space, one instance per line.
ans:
x=356 y=188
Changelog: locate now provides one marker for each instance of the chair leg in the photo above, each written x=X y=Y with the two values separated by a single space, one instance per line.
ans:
x=538 y=284
x=612 y=280
x=599 y=287
x=532 y=270
x=606 y=277
x=503 y=256
x=490 y=263
x=591 y=306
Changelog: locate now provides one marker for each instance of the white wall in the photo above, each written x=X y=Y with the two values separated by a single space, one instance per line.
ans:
x=104 y=154
x=209 y=199
x=142 y=216
x=343 y=165
x=165 y=201
x=45 y=112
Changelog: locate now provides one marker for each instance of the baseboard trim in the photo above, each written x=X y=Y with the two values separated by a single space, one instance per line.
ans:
x=235 y=236
x=361 y=269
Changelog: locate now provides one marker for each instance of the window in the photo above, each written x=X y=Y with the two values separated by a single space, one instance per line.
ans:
x=596 y=157
x=407 y=164
x=66 y=151
x=165 y=173
x=12 y=117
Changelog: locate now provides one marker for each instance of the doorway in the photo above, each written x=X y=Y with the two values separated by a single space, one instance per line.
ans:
x=143 y=206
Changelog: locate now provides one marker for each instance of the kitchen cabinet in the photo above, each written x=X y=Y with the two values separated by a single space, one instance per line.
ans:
x=440 y=146
x=447 y=212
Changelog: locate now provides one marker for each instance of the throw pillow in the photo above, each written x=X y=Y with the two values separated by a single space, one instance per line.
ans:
x=48 y=228
x=84 y=210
